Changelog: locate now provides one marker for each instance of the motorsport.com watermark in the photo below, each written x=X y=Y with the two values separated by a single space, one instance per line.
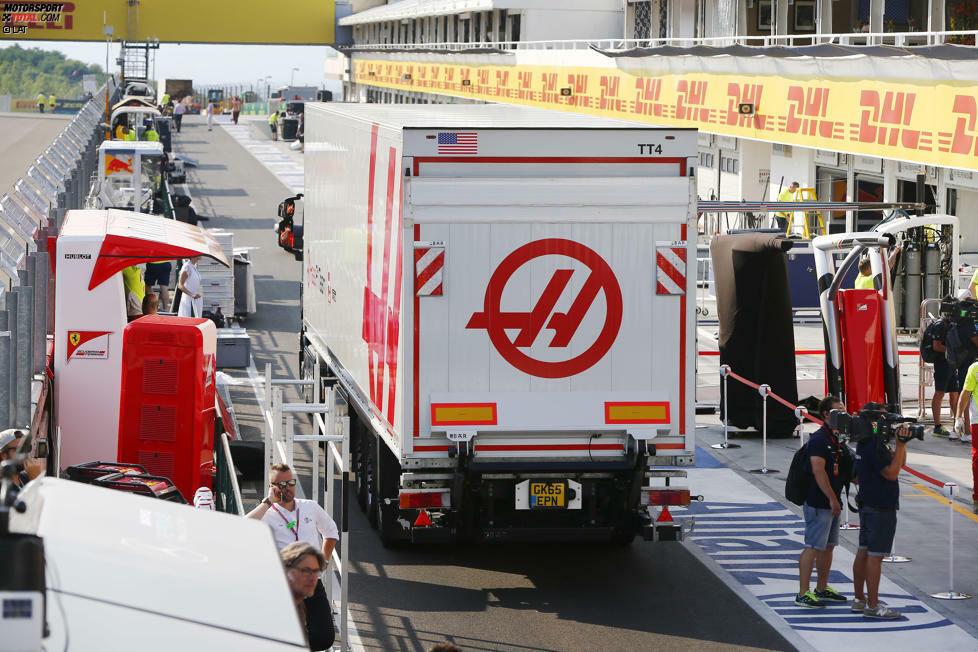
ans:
x=31 y=12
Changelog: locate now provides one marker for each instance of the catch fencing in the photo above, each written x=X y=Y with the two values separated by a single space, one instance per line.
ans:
x=331 y=428
x=31 y=212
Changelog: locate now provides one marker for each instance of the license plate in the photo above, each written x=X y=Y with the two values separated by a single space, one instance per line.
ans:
x=548 y=494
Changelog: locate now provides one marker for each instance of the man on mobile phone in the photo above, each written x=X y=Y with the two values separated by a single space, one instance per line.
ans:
x=295 y=519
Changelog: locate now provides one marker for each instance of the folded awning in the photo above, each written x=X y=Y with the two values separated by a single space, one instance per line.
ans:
x=131 y=238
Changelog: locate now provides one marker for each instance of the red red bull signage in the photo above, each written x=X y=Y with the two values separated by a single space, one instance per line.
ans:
x=118 y=164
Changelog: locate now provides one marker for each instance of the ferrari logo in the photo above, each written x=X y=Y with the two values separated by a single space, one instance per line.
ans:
x=74 y=338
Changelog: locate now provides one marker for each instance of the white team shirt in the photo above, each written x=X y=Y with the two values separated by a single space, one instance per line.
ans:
x=311 y=522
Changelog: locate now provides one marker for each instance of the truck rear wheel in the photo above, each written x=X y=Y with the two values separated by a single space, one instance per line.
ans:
x=622 y=538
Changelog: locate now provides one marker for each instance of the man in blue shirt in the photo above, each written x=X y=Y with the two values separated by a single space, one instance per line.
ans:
x=822 y=508
x=879 y=499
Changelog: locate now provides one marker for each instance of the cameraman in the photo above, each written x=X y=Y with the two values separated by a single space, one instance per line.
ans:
x=962 y=350
x=821 y=508
x=933 y=349
x=879 y=499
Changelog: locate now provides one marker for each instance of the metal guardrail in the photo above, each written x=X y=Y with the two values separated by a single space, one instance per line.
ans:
x=228 y=492
x=31 y=212
x=278 y=425
x=898 y=39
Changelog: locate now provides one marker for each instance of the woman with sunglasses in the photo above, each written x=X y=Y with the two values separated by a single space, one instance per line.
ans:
x=294 y=520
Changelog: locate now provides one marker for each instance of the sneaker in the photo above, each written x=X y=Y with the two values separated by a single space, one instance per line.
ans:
x=809 y=599
x=881 y=612
x=830 y=595
x=942 y=432
x=965 y=439
x=857 y=606
x=953 y=436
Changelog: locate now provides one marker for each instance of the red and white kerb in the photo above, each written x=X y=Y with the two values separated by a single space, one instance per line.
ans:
x=428 y=265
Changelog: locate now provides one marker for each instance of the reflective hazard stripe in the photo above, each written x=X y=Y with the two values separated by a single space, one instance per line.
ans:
x=670 y=276
x=428 y=265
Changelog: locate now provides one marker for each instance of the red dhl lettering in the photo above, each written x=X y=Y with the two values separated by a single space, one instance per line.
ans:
x=692 y=94
x=964 y=140
x=881 y=120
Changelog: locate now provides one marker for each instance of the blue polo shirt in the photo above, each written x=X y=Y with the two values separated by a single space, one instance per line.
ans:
x=825 y=445
x=875 y=490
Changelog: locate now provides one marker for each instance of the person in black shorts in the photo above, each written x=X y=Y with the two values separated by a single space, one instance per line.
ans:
x=878 y=468
x=158 y=273
x=945 y=376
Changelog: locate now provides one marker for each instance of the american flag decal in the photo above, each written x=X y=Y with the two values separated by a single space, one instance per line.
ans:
x=463 y=142
x=428 y=265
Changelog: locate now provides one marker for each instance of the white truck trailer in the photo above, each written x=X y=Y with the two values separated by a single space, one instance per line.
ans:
x=502 y=295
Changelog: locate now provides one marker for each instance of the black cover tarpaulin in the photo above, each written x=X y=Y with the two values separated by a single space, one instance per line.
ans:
x=757 y=337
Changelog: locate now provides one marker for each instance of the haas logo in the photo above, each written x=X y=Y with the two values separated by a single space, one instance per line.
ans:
x=600 y=279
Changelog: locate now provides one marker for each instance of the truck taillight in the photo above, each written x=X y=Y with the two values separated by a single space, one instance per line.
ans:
x=665 y=497
x=419 y=500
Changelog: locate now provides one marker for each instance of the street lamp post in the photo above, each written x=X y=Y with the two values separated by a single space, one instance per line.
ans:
x=292 y=79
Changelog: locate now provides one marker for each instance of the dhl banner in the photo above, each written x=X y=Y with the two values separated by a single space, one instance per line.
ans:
x=934 y=122
x=302 y=22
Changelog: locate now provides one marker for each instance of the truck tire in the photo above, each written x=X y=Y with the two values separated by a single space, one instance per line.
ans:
x=622 y=538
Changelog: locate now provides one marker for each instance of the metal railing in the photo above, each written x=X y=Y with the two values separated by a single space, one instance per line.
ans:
x=897 y=39
x=329 y=428
x=30 y=213
x=226 y=481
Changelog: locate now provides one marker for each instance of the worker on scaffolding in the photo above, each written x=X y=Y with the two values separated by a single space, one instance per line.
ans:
x=788 y=194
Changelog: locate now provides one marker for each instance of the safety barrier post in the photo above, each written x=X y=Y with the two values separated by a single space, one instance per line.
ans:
x=846 y=525
x=950 y=594
x=800 y=413
x=724 y=370
x=894 y=558
x=764 y=390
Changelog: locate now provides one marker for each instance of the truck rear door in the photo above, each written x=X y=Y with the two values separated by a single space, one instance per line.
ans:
x=550 y=317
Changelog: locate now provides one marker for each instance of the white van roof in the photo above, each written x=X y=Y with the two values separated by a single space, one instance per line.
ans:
x=157 y=574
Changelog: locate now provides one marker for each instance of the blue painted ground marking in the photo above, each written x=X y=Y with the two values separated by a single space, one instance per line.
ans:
x=706 y=460
x=757 y=541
